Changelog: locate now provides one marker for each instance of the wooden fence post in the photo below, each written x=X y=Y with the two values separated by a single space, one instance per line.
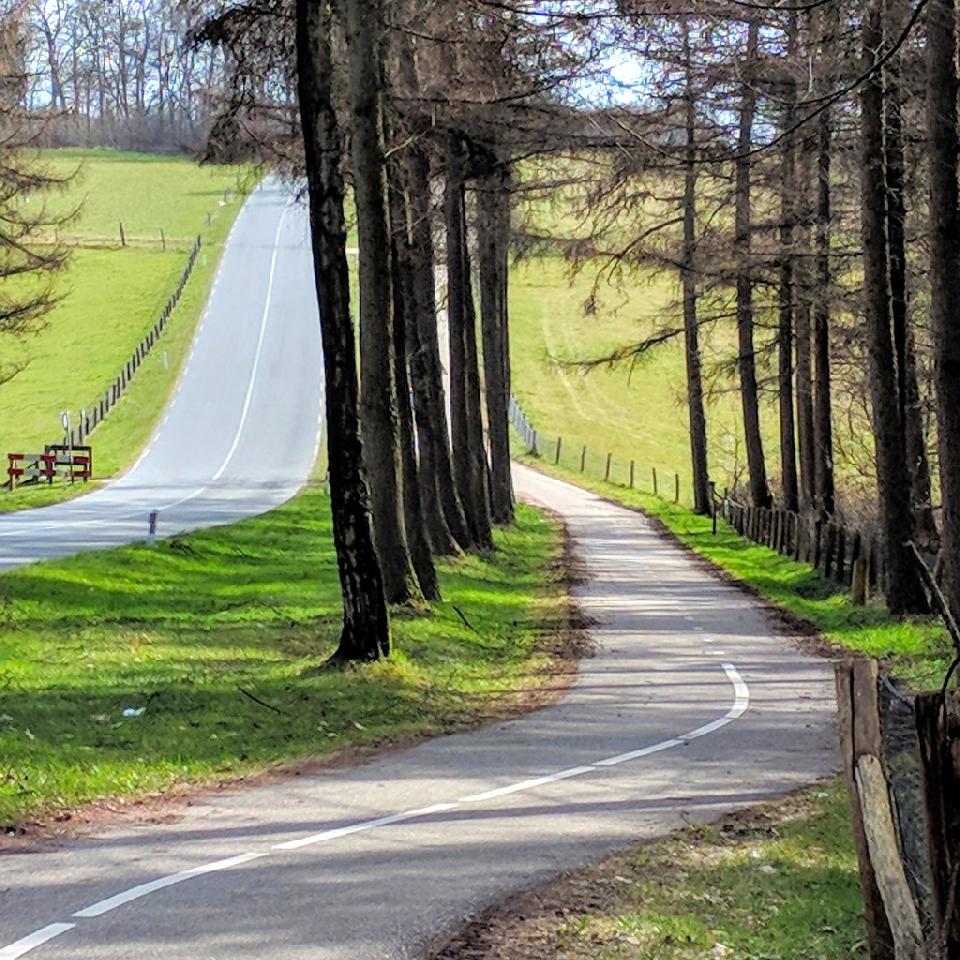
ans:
x=631 y=474
x=123 y=237
x=858 y=721
x=938 y=725
x=676 y=488
x=656 y=491
x=556 y=459
x=583 y=459
x=606 y=475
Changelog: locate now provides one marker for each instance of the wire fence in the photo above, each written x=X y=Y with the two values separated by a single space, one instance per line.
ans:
x=572 y=454
x=841 y=554
x=91 y=417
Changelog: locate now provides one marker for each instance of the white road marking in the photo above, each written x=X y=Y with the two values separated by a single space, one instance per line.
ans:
x=528 y=784
x=101 y=907
x=35 y=939
x=741 y=703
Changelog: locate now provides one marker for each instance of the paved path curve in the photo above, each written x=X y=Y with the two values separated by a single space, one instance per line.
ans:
x=690 y=708
x=240 y=434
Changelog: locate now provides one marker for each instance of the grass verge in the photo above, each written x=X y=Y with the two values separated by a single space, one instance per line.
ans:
x=917 y=649
x=778 y=882
x=207 y=639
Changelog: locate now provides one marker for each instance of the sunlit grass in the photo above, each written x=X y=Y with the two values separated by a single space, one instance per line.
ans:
x=181 y=630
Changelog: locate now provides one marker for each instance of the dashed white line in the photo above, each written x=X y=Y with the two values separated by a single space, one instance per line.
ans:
x=740 y=705
x=101 y=907
x=35 y=939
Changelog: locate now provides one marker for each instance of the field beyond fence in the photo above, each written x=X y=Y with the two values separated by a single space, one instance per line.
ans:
x=841 y=554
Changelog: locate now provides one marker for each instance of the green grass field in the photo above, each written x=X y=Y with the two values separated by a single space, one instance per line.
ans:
x=182 y=629
x=111 y=295
x=637 y=412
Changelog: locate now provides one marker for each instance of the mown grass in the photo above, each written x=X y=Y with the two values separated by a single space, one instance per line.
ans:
x=182 y=629
x=779 y=883
x=145 y=192
x=110 y=297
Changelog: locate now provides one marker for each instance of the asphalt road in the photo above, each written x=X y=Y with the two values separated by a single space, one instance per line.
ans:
x=241 y=432
x=692 y=707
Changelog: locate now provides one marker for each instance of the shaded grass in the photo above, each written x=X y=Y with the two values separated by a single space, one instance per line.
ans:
x=179 y=629
x=917 y=649
x=777 y=883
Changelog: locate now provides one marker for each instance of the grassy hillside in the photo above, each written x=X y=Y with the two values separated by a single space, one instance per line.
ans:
x=111 y=294
x=84 y=638
x=635 y=411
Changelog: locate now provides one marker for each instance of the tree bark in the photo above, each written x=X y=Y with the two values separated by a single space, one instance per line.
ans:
x=747 y=365
x=698 y=419
x=378 y=400
x=447 y=524
x=401 y=267
x=366 y=630
x=469 y=458
x=902 y=588
x=804 y=367
x=822 y=397
x=788 y=186
x=942 y=146
x=909 y=389
x=493 y=206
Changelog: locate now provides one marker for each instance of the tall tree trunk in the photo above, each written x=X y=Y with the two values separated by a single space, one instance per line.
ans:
x=788 y=186
x=432 y=422
x=366 y=629
x=491 y=208
x=907 y=384
x=822 y=397
x=804 y=368
x=698 y=419
x=363 y=28
x=903 y=590
x=747 y=364
x=469 y=459
x=942 y=146
x=401 y=267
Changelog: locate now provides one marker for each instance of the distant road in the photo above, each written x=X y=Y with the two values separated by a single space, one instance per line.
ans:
x=240 y=434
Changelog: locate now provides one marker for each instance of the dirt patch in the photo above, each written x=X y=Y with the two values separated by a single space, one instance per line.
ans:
x=564 y=642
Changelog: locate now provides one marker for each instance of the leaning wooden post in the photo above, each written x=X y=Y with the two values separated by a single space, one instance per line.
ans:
x=676 y=488
x=583 y=459
x=655 y=490
x=858 y=722
x=606 y=475
x=631 y=474
x=556 y=459
x=123 y=238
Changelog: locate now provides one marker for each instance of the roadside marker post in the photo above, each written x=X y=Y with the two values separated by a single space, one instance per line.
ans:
x=152 y=527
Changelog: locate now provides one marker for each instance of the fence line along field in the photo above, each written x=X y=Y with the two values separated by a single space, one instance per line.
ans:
x=110 y=297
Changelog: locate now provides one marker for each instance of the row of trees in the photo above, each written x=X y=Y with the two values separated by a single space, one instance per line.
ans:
x=768 y=158
x=794 y=166
x=422 y=111
x=120 y=73
x=773 y=145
